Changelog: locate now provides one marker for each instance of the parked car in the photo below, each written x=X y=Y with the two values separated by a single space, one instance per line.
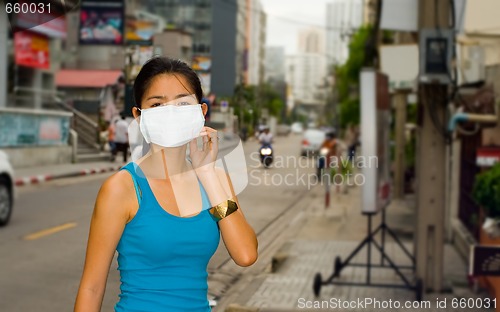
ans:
x=311 y=142
x=6 y=189
x=297 y=128
x=283 y=129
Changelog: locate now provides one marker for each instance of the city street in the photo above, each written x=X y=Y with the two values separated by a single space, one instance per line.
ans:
x=399 y=100
x=43 y=247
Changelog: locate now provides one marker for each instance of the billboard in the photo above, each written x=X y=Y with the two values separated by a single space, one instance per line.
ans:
x=30 y=129
x=202 y=63
x=46 y=21
x=101 y=23
x=141 y=26
x=139 y=31
x=43 y=17
x=31 y=50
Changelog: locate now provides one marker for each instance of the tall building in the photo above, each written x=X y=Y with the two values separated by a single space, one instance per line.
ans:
x=218 y=36
x=275 y=72
x=255 y=37
x=275 y=63
x=311 y=41
x=306 y=75
x=343 y=17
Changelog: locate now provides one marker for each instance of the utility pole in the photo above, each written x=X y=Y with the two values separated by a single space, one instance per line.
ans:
x=431 y=155
x=400 y=103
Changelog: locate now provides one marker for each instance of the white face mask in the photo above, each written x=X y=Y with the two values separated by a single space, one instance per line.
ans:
x=171 y=125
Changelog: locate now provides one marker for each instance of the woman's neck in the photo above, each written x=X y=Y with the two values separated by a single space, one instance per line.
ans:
x=165 y=162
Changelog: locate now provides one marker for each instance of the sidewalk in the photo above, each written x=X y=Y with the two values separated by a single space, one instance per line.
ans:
x=41 y=174
x=337 y=231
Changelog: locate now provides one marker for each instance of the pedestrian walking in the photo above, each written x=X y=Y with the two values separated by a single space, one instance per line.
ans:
x=121 y=138
x=352 y=141
x=164 y=213
x=111 y=138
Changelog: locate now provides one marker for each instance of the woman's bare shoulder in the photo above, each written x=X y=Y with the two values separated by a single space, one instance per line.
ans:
x=118 y=189
x=119 y=182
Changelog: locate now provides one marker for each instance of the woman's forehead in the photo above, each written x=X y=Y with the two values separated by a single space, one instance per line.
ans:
x=169 y=85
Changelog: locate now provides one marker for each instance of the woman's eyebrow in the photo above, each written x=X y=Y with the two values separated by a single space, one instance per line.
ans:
x=178 y=96
x=156 y=97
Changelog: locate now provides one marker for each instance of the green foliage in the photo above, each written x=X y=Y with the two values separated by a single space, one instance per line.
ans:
x=486 y=191
x=347 y=75
x=411 y=113
x=349 y=112
x=253 y=99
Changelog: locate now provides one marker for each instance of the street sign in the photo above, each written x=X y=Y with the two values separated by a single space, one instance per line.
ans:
x=487 y=156
x=224 y=106
x=484 y=260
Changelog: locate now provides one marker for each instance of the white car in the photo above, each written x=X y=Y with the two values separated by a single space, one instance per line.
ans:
x=6 y=189
x=311 y=142
x=297 y=128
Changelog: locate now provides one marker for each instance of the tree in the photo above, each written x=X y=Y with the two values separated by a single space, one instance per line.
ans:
x=347 y=77
x=252 y=99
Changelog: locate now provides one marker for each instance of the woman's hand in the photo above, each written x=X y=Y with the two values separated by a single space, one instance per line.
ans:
x=204 y=160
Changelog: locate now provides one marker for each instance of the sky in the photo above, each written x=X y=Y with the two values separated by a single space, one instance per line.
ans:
x=286 y=17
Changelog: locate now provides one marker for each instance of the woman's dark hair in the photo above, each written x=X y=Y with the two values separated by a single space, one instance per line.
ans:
x=163 y=65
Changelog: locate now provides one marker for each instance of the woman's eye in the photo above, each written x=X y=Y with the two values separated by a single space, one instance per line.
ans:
x=155 y=105
x=183 y=103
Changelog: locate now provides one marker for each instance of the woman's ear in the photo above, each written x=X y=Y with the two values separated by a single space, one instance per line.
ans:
x=135 y=112
x=204 y=108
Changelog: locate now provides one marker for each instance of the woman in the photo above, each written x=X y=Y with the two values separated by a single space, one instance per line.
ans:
x=150 y=211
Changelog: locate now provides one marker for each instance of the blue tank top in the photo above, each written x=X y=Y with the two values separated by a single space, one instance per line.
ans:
x=163 y=258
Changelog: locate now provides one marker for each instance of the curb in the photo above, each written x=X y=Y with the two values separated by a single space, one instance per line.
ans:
x=38 y=179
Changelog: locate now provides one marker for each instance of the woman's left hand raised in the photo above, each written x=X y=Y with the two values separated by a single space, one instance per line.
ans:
x=204 y=159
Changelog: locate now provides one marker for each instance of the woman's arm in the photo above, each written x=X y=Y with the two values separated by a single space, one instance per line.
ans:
x=238 y=235
x=115 y=200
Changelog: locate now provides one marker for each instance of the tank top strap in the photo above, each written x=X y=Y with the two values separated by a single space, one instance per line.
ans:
x=140 y=183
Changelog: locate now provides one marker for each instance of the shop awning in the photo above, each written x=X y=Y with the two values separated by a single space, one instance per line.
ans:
x=79 y=78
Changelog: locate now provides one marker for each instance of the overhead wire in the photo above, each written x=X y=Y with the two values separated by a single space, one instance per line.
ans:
x=288 y=19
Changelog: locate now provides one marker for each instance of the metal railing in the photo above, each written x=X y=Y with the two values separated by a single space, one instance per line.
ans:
x=88 y=130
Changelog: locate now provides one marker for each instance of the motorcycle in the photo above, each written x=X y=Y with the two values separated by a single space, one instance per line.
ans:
x=266 y=155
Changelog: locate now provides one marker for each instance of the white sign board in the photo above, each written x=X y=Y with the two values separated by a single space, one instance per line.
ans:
x=400 y=15
x=375 y=125
x=400 y=63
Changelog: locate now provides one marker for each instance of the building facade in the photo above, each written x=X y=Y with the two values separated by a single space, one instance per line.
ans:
x=311 y=41
x=255 y=37
x=308 y=68
x=275 y=63
x=306 y=75
x=218 y=36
